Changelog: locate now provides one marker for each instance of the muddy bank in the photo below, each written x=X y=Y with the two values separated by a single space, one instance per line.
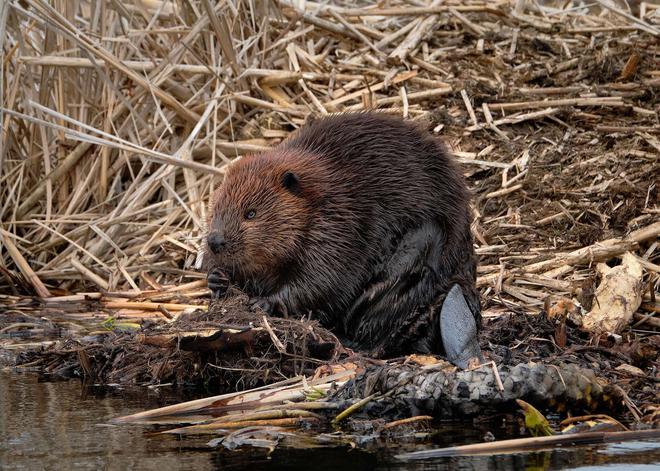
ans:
x=230 y=347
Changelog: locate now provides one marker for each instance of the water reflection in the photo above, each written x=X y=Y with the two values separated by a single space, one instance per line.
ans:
x=61 y=425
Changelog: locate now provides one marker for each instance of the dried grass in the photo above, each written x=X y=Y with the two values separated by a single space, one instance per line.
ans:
x=118 y=117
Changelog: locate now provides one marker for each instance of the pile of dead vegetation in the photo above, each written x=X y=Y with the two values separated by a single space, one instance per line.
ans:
x=227 y=347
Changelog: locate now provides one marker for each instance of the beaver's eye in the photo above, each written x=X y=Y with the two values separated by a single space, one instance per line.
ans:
x=250 y=214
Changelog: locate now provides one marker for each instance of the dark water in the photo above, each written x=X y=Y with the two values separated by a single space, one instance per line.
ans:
x=62 y=425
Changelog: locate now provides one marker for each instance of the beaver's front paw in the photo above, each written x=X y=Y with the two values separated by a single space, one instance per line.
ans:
x=271 y=306
x=218 y=283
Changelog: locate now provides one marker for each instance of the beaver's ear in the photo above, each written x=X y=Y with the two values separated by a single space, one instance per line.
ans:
x=291 y=183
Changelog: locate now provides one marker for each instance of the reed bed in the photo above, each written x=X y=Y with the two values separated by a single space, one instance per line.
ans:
x=119 y=119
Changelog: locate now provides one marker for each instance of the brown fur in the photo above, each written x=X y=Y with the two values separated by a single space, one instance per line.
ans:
x=376 y=206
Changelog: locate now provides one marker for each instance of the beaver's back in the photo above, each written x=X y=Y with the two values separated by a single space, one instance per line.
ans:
x=392 y=169
x=385 y=178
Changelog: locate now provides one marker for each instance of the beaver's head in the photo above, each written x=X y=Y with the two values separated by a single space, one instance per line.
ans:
x=259 y=216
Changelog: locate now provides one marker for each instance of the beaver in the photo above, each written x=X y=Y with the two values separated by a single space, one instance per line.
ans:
x=361 y=221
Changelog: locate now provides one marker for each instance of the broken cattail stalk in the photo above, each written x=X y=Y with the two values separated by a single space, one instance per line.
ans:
x=147 y=306
x=89 y=274
x=23 y=265
x=532 y=443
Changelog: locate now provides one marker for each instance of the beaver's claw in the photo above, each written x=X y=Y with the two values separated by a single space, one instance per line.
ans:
x=218 y=283
x=262 y=304
x=459 y=329
x=272 y=307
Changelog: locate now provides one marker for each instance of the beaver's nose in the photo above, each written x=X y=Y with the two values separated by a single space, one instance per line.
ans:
x=216 y=242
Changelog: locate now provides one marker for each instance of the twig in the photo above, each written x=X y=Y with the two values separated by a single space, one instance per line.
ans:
x=415 y=36
x=89 y=274
x=276 y=341
x=596 y=252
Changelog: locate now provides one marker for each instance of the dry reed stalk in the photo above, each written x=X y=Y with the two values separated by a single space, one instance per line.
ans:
x=276 y=396
x=23 y=265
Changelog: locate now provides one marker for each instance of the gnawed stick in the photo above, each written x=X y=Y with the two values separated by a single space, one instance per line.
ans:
x=290 y=418
x=214 y=428
x=415 y=36
x=74 y=298
x=289 y=390
x=352 y=408
x=518 y=118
